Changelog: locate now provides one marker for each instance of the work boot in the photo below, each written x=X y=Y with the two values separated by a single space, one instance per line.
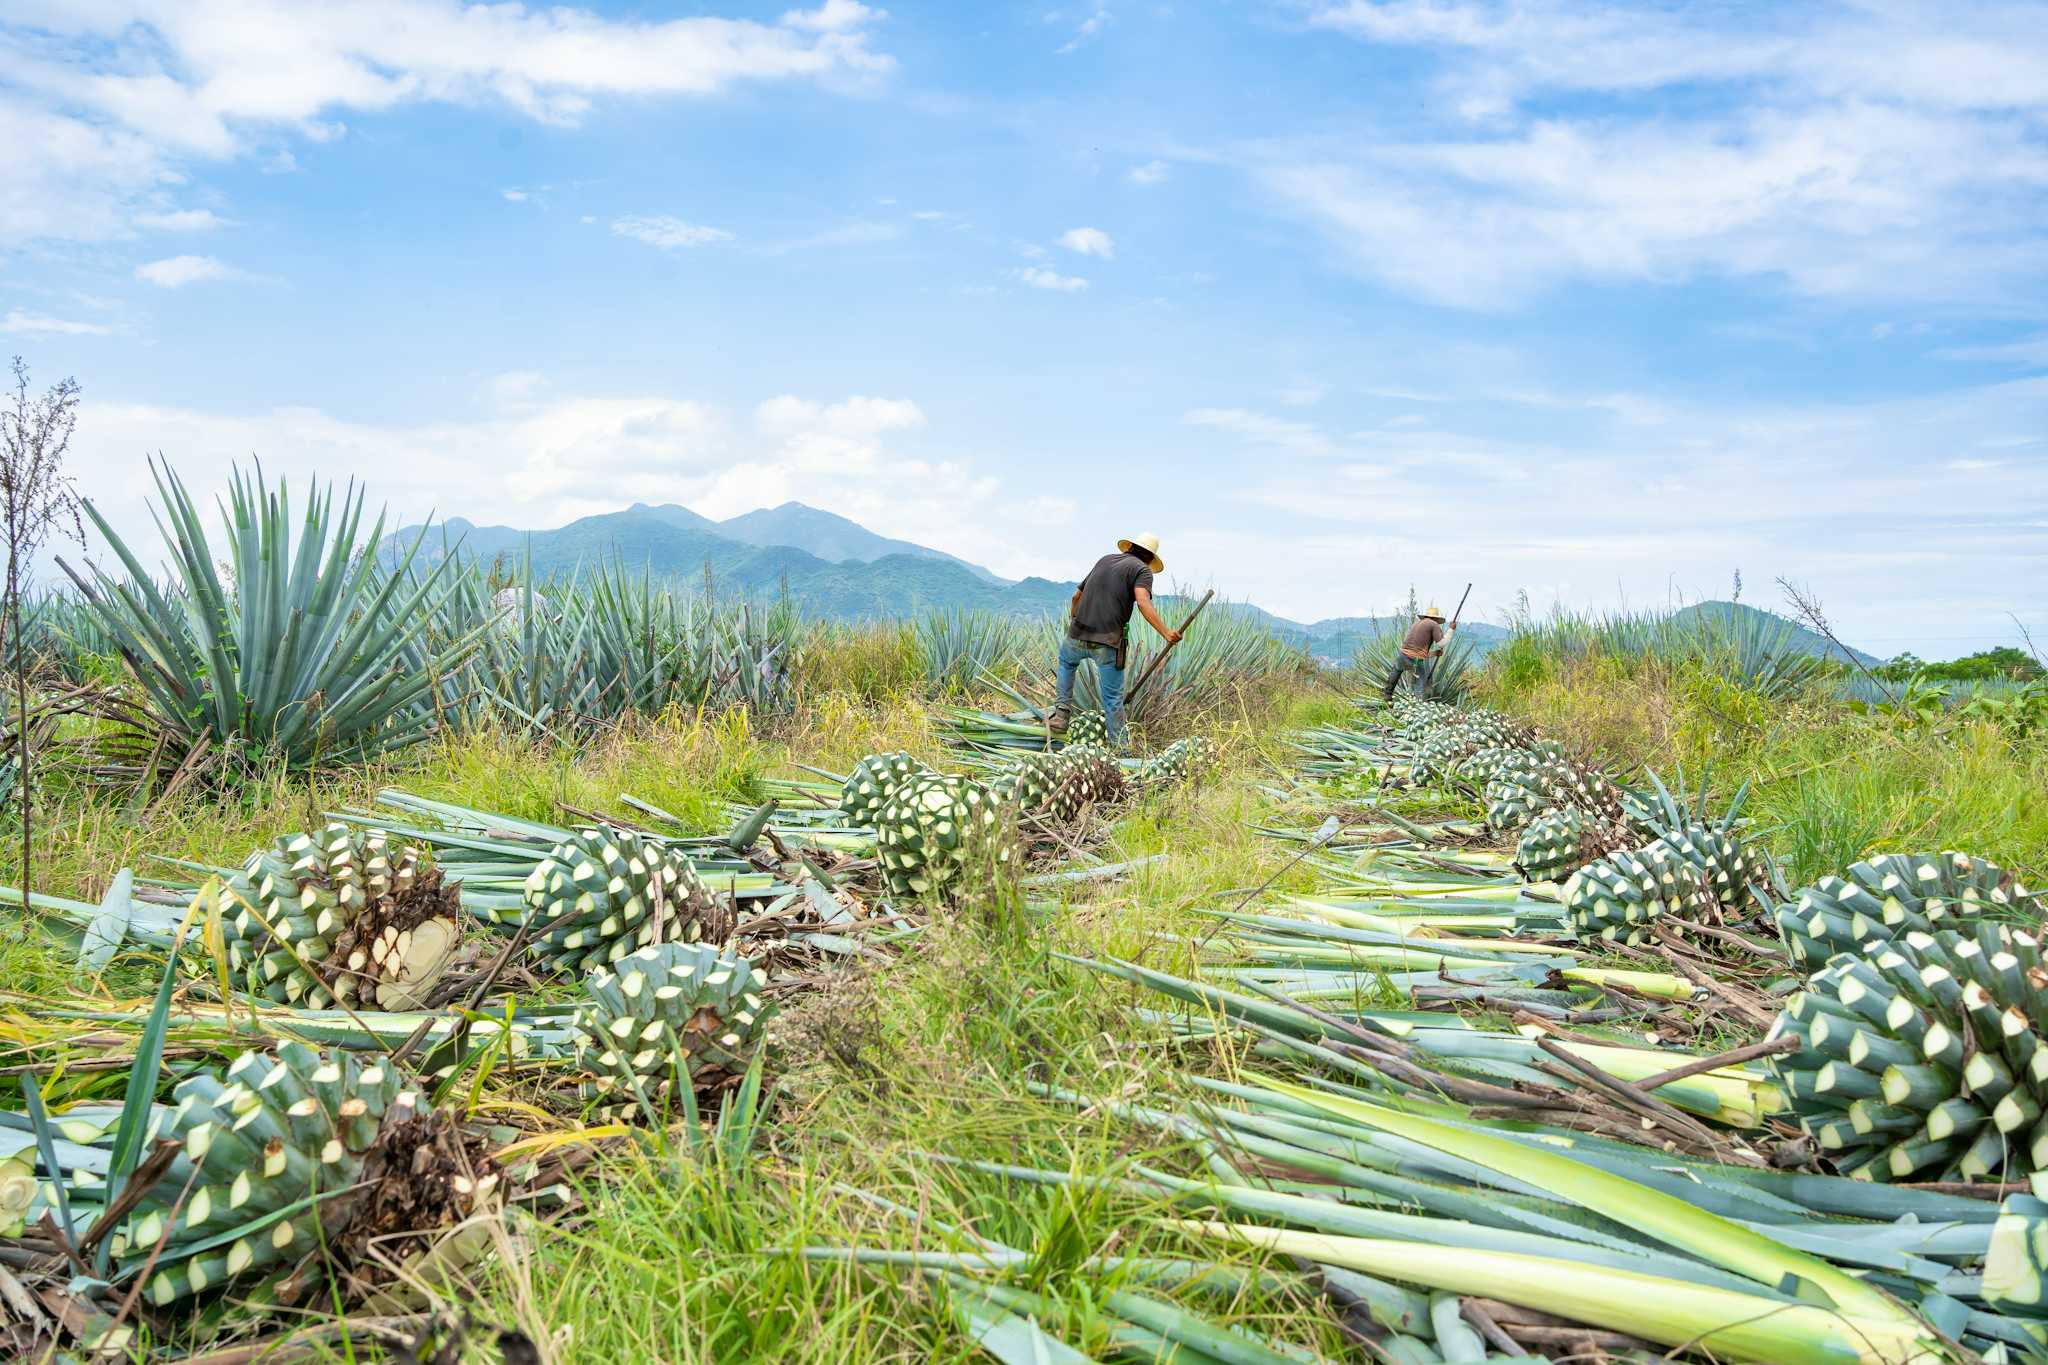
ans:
x=1058 y=721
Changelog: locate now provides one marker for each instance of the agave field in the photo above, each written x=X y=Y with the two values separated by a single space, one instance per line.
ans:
x=424 y=962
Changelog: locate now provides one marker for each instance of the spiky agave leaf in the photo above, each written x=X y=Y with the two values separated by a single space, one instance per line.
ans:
x=296 y=655
x=1880 y=898
x=1924 y=1057
x=335 y=917
x=605 y=892
x=677 y=1014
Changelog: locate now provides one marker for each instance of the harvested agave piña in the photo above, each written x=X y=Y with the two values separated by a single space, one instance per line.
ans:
x=924 y=833
x=679 y=1013
x=873 y=781
x=1026 y=781
x=1880 y=898
x=333 y=917
x=607 y=892
x=1181 y=761
x=1618 y=897
x=1086 y=776
x=1087 y=727
x=1924 y=1057
x=258 y=1146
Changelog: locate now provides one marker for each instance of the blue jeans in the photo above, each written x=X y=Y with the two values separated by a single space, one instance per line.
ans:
x=1107 y=674
x=1404 y=666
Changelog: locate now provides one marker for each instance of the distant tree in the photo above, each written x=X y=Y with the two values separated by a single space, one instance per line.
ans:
x=1735 y=592
x=35 y=499
x=1900 y=667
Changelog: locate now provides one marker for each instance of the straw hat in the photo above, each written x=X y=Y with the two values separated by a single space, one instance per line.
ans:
x=1149 y=544
x=1436 y=612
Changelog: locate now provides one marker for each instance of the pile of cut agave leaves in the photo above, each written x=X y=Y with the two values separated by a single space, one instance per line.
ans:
x=1476 y=1138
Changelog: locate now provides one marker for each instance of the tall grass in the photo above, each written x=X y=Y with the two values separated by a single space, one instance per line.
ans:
x=1830 y=784
x=871 y=661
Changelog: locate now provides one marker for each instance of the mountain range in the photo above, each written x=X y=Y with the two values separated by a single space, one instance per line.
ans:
x=836 y=568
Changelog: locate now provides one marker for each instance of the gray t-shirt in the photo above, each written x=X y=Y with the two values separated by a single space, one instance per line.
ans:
x=1109 y=594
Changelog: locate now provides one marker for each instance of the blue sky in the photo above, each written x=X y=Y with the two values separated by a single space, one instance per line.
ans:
x=1600 y=302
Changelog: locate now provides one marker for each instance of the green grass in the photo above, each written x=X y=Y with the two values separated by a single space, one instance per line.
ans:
x=1828 y=785
x=931 y=1053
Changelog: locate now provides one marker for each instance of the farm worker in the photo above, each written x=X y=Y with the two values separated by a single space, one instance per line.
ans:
x=1099 y=625
x=1424 y=642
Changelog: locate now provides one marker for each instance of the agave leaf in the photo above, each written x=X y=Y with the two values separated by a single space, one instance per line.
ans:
x=136 y=1101
x=1011 y=1338
x=46 y=1148
x=110 y=926
x=1667 y=1218
x=1671 y=1312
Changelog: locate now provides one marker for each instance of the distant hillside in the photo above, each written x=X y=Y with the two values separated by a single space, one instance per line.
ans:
x=836 y=568
x=674 y=544
x=826 y=535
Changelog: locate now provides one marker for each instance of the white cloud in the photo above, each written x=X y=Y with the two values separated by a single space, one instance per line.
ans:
x=2030 y=353
x=106 y=98
x=667 y=233
x=1151 y=173
x=182 y=220
x=36 y=324
x=1039 y=277
x=514 y=387
x=1584 y=514
x=1303 y=393
x=513 y=196
x=1089 y=241
x=1089 y=30
x=1260 y=429
x=546 y=463
x=175 y=272
x=1884 y=151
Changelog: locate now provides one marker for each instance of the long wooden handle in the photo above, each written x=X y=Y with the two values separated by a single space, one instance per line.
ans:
x=1461 y=604
x=1160 y=657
